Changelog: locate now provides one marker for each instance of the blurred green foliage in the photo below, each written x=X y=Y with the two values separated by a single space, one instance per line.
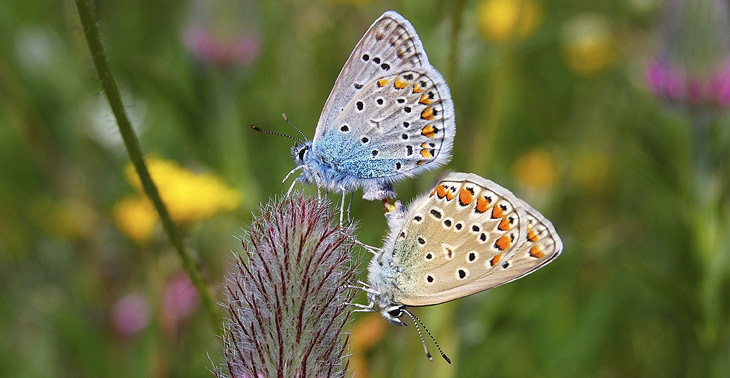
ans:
x=641 y=289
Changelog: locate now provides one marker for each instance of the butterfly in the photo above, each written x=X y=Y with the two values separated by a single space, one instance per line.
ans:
x=467 y=235
x=388 y=117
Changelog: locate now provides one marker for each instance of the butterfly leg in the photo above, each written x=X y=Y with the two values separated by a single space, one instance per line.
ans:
x=291 y=172
x=342 y=206
x=349 y=206
x=342 y=209
x=363 y=308
x=370 y=307
x=288 y=192
x=366 y=288
x=369 y=248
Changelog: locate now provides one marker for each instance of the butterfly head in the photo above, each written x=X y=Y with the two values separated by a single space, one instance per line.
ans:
x=300 y=153
x=393 y=313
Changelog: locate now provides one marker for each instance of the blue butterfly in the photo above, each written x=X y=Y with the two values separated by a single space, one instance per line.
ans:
x=388 y=117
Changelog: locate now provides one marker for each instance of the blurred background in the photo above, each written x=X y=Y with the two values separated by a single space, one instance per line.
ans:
x=607 y=116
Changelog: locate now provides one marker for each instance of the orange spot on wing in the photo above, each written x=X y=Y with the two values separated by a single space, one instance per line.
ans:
x=383 y=82
x=400 y=83
x=535 y=251
x=441 y=191
x=424 y=99
x=427 y=113
x=426 y=153
x=482 y=204
x=494 y=260
x=420 y=162
x=497 y=212
x=502 y=243
x=449 y=195
x=428 y=131
x=504 y=224
x=465 y=197
x=532 y=236
x=416 y=88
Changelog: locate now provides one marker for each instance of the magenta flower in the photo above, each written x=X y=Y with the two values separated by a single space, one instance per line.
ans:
x=209 y=47
x=130 y=315
x=692 y=67
x=677 y=86
x=178 y=302
x=719 y=87
x=287 y=297
x=222 y=33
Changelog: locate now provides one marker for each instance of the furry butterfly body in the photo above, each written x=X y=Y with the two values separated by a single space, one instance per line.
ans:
x=388 y=117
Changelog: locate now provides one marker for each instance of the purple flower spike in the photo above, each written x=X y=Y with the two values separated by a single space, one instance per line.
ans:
x=287 y=297
x=692 y=67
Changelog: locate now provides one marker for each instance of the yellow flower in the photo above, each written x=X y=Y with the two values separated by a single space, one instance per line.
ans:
x=136 y=217
x=501 y=20
x=589 y=44
x=536 y=170
x=188 y=196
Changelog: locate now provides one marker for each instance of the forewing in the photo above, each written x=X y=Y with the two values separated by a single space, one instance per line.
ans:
x=469 y=235
x=390 y=45
x=390 y=112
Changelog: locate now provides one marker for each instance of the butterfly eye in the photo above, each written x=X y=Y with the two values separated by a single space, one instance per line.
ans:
x=302 y=152
x=396 y=312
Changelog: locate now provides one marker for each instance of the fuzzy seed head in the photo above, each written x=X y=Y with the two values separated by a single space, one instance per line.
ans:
x=286 y=299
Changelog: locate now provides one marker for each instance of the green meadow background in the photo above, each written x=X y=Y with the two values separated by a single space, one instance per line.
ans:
x=551 y=101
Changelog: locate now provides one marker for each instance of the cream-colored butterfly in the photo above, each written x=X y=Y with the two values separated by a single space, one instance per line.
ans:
x=467 y=235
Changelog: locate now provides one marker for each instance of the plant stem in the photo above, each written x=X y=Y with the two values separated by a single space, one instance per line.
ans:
x=483 y=138
x=91 y=32
x=457 y=6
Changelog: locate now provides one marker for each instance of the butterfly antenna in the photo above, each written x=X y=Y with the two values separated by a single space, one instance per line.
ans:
x=417 y=321
x=275 y=133
x=292 y=125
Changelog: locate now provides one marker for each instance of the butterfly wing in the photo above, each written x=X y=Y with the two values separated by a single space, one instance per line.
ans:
x=468 y=235
x=390 y=112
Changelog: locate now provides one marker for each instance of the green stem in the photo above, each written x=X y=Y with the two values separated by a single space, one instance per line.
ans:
x=91 y=32
x=457 y=6
x=709 y=230
x=483 y=138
